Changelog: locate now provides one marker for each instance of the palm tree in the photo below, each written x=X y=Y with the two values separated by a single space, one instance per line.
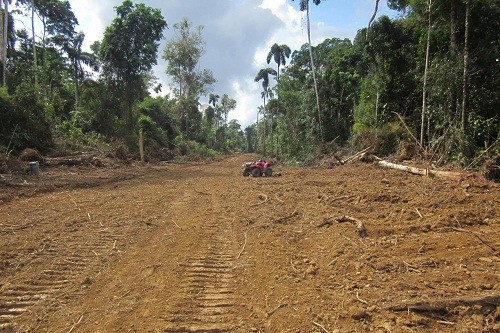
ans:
x=263 y=75
x=304 y=6
x=213 y=99
x=279 y=53
x=78 y=57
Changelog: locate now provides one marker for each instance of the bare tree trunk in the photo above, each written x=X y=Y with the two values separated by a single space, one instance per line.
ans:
x=465 y=89
x=372 y=18
x=453 y=52
x=264 y=136
x=313 y=72
x=424 y=90
x=4 y=41
x=77 y=83
x=3 y=45
x=34 y=40
x=258 y=133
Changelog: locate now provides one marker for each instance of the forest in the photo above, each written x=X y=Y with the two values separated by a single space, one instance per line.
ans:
x=425 y=82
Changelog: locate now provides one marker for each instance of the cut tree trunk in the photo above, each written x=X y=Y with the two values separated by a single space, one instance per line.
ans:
x=424 y=172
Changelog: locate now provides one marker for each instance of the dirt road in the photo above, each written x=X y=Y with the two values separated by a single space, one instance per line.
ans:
x=200 y=248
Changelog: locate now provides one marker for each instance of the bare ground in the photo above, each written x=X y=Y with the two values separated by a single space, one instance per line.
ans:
x=200 y=248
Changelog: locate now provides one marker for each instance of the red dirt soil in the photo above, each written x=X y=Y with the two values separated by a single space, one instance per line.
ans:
x=200 y=248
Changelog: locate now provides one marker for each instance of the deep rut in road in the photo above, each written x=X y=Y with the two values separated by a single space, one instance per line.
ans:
x=207 y=300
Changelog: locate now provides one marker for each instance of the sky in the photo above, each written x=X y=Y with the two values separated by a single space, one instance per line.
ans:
x=238 y=36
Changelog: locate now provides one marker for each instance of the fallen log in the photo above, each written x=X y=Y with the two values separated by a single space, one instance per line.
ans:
x=424 y=172
x=442 y=306
x=360 y=228
x=69 y=161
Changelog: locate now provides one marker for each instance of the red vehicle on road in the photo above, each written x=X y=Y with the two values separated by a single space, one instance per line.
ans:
x=257 y=169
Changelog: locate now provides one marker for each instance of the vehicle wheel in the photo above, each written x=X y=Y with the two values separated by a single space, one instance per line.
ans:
x=246 y=173
x=256 y=172
x=269 y=172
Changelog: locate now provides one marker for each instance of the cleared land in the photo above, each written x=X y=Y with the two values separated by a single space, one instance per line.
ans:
x=200 y=248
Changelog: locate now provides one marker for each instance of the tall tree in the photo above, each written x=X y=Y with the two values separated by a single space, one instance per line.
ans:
x=4 y=26
x=227 y=104
x=465 y=89
x=263 y=75
x=279 y=53
x=426 y=67
x=78 y=58
x=58 y=22
x=304 y=6
x=213 y=99
x=183 y=54
x=129 y=48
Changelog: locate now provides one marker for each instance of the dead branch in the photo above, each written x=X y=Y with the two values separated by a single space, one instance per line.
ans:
x=442 y=306
x=243 y=248
x=358 y=154
x=75 y=324
x=285 y=219
x=269 y=314
x=408 y=130
x=359 y=299
x=360 y=228
x=321 y=326
x=326 y=222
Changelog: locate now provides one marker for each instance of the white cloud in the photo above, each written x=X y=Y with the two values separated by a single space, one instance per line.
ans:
x=91 y=19
x=247 y=100
x=238 y=35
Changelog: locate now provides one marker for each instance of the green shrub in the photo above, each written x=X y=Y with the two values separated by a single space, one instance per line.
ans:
x=384 y=140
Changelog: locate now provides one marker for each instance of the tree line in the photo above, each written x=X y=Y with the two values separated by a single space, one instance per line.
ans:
x=56 y=96
x=429 y=77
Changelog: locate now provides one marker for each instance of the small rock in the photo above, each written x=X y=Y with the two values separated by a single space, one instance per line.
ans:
x=486 y=286
x=362 y=315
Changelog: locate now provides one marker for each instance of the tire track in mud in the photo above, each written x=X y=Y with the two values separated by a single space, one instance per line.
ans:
x=207 y=300
x=52 y=283
x=44 y=265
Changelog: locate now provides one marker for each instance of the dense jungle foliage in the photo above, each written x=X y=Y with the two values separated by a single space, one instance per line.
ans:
x=429 y=78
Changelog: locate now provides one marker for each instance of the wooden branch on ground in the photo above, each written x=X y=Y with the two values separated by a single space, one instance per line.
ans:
x=286 y=219
x=424 y=172
x=442 y=306
x=68 y=161
x=326 y=222
x=321 y=326
x=243 y=248
x=360 y=228
x=357 y=155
